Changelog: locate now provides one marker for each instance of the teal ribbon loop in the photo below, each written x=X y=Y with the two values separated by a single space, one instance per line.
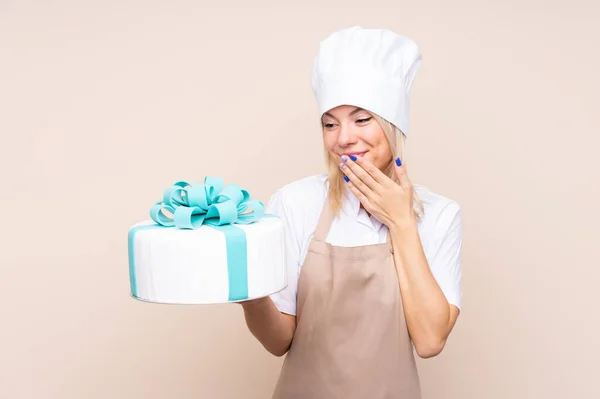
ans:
x=189 y=206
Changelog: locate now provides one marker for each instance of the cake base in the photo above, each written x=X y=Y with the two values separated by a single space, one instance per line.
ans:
x=207 y=265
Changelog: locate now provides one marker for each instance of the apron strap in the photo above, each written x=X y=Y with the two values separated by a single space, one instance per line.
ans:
x=325 y=220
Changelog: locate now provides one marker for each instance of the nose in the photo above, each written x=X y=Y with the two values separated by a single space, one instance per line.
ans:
x=347 y=135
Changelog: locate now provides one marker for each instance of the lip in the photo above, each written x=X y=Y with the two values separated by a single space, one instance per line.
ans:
x=358 y=154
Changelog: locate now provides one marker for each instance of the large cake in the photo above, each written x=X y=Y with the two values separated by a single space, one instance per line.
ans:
x=206 y=243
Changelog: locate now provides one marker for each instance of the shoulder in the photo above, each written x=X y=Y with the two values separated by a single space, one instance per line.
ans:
x=298 y=204
x=304 y=193
x=440 y=213
x=434 y=202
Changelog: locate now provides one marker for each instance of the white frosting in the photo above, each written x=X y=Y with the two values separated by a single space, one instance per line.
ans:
x=183 y=266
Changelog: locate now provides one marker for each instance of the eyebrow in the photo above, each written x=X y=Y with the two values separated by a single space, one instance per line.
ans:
x=351 y=113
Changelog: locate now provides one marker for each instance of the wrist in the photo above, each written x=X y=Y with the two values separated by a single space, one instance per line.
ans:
x=403 y=225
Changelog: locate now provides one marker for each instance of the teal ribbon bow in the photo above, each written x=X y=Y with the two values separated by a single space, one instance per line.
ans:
x=189 y=206
x=210 y=203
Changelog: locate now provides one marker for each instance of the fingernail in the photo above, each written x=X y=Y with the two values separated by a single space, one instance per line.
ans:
x=353 y=157
x=342 y=165
x=398 y=162
x=344 y=158
x=346 y=178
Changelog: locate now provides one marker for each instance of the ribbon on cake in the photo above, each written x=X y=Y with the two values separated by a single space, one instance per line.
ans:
x=193 y=205
x=189 y=206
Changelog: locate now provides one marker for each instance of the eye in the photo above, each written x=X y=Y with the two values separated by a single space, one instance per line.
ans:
x=364 y=120
x=328 y=125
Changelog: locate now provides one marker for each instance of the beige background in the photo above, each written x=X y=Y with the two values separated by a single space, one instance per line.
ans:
x=105 y=104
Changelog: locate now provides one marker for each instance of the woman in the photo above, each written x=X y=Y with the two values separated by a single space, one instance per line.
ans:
x=373 y=261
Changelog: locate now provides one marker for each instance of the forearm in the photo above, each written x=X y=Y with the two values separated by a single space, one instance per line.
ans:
x=273 y=329
x=426 y=309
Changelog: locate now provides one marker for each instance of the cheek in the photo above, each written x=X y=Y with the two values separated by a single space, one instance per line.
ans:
x=385 y=149
x=329 y=140
x=380 y=149
x=375 y=138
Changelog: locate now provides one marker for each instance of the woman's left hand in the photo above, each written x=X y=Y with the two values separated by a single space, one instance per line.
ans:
x=387 y=200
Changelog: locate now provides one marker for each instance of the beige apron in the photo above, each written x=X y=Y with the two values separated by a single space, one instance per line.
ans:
x=351 y=339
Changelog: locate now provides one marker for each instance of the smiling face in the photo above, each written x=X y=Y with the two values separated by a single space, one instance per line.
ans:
x=351 y=130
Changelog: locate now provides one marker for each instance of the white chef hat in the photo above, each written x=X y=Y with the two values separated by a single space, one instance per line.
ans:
x=369 y=68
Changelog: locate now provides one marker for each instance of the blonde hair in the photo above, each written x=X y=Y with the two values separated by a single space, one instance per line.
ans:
x=396 y=141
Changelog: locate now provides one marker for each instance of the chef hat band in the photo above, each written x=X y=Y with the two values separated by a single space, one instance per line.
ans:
x=368 y=68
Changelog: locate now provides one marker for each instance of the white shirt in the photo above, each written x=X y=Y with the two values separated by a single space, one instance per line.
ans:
x=299 y=205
